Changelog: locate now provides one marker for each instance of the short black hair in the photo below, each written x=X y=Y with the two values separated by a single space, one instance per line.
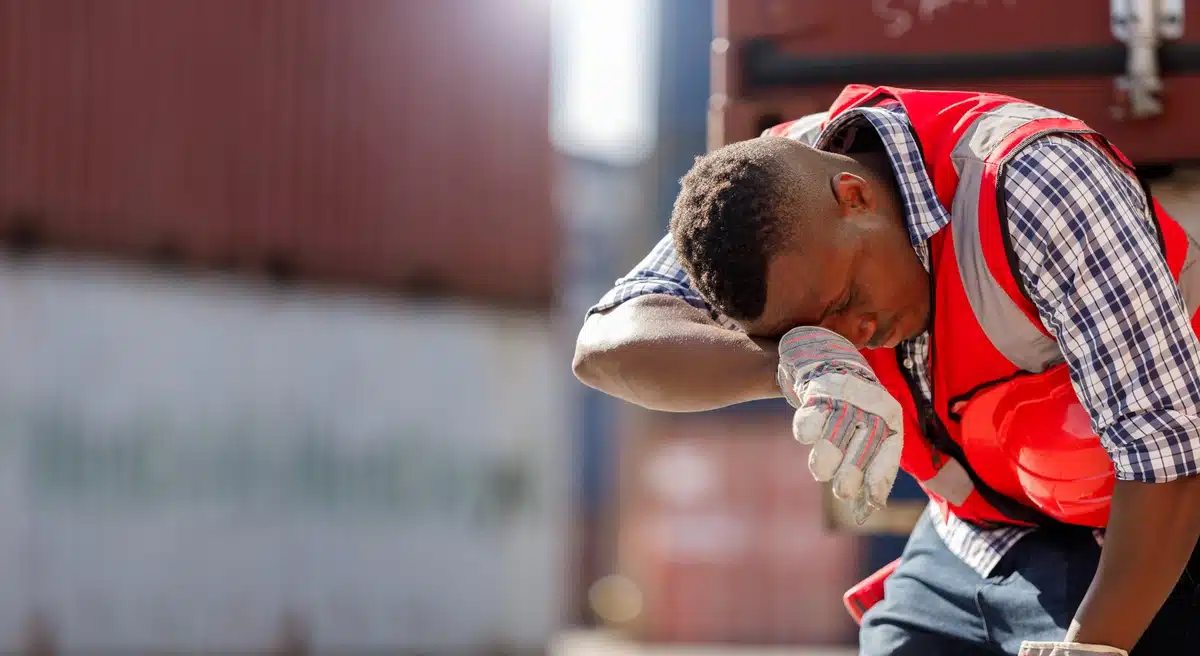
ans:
x=726 y=224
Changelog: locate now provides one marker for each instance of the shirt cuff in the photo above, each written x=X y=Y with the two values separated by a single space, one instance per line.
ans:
x=1154 y=447
x=631 y=288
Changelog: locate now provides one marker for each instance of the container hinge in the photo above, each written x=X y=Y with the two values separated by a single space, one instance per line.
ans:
x=1142 y=25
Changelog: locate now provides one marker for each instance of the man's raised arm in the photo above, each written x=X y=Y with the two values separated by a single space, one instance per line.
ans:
x=661 y=353
x=653 y=341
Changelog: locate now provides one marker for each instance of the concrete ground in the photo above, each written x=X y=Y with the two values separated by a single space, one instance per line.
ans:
x=595 y=643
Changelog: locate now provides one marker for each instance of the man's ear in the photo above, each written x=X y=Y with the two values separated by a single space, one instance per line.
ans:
x=853 y=194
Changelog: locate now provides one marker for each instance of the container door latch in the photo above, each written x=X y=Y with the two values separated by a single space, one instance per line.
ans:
x=1142 y=25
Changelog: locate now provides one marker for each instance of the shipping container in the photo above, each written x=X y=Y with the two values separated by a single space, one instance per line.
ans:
x=603 y=208
x=683 y=97
x=721 y=535
x=196 y=465
x=397 y=144
x=776 y=60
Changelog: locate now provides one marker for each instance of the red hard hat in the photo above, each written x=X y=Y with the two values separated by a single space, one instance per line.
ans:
x=1031 y=438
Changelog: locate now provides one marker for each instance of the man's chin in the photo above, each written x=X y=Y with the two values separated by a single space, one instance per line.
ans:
x=883 y=339
x=916 y=328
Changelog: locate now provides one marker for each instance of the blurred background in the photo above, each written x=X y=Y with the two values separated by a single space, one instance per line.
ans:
x=289 y=292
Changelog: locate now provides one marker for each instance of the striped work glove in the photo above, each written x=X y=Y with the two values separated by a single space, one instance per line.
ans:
x=1068 y=649
x=852 y=422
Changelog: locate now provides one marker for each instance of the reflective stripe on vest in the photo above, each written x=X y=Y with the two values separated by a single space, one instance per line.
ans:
x=951 y=482
x=1005 y=324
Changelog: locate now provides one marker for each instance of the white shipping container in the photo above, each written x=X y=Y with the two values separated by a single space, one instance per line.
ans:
x=185 y=462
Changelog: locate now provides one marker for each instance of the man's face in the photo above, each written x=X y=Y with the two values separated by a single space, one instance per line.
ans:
x=855 y=273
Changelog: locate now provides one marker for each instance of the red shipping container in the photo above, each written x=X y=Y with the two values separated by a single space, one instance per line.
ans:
x=721 y=530
x=775 y=60
x=392 y=143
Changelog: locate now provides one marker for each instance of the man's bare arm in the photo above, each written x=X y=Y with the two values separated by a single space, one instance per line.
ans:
x=1151 y=534
x=661 y=353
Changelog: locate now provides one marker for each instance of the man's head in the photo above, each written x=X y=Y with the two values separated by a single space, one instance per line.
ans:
x=776 y=234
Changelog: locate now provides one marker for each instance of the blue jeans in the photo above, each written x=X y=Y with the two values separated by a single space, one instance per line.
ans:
x=934 y=604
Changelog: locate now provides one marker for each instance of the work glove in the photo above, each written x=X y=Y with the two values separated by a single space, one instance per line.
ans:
x=852 y=422
x=1067 y=649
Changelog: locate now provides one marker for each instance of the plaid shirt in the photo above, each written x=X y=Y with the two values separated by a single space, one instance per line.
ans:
x=1085 y=245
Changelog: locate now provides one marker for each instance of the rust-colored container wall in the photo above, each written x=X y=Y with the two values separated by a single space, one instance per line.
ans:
x=775 y=60
x=722 y=535
x=395 y=143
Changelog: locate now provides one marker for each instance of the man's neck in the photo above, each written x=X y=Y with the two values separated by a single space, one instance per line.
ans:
x=878 y=163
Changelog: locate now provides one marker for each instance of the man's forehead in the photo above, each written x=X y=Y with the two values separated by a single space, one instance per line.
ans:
x=796 y=287
x=803 y=270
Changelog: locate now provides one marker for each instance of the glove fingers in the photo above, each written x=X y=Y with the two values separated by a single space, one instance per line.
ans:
x=844 y=422
x=827 y=454
x=848 y=479
x=824 y=461
x=881 y=472
x=866 y=468
x=847 y=482
x=872 y=430
x=862 y=507
x=808 y=424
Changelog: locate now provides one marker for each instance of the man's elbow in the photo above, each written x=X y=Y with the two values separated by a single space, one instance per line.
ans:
x=627 y=352
x=584 y=365
x=593 y=359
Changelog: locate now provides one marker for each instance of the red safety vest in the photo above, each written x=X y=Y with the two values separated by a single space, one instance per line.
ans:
x=973 y=451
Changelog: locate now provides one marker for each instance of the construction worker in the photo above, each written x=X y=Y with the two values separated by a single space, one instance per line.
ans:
x=977 y=290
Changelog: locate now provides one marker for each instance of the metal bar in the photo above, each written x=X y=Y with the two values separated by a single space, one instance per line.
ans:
x=765 y=67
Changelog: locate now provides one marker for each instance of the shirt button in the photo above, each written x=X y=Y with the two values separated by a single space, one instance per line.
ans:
x=908 y=363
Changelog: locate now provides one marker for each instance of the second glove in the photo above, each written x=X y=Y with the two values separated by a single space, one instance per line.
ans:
x=1068 y=649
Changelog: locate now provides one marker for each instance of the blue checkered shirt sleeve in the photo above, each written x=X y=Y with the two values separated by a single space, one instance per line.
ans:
x=1088 y=254
x=658 y=273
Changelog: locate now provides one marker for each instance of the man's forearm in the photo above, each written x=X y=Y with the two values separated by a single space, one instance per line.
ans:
x=1152 y=531
x=664 y=356
x=700 y=369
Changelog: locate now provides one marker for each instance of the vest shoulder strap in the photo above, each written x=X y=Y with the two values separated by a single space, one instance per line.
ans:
x=986 y=257
x=1119 y=159
x=978 y=228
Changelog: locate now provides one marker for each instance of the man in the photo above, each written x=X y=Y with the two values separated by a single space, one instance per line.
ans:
x=898 y=217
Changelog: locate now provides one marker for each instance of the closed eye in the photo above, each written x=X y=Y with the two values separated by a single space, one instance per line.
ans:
x=845 y=304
